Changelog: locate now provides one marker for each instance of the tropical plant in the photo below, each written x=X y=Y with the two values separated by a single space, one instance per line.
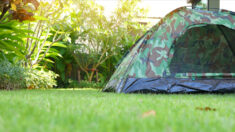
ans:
x=62 y=66
x=12 y=40
x=48 y=30
x=31 y=41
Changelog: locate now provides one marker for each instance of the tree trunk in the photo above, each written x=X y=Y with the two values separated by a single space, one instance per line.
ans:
x=79 y=76
x=91 y=76
x=97 y=77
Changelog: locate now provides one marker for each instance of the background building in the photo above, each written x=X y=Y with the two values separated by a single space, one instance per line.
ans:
x=159 y=8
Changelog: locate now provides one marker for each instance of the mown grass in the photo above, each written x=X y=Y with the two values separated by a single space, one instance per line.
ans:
x=90 y=110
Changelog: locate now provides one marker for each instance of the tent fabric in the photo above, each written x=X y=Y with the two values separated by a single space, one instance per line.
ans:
x=187 y=44
x=203 y=50
x=173 y=85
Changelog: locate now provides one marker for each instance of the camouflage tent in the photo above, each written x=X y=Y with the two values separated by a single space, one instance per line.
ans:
x=188 y=51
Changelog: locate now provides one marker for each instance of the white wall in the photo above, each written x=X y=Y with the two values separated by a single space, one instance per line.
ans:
x=228 y=5
x=214 y=5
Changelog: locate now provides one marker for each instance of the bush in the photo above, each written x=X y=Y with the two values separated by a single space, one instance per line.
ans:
x=13 y=76
x=36 y=79
x=85 y=84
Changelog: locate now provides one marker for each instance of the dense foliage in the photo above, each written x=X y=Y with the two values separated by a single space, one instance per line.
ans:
x=98 y=42
x=11 y=76
x=14 y=76
x=40 y=79
x=39 y=38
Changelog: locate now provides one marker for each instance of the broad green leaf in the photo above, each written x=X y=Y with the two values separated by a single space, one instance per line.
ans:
x=59 y=45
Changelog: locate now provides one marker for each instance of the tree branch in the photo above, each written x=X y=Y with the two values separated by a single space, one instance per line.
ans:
x=5 y=9
x=27 y=43
x=40 y=48
x=31 y=42
x=36 y=61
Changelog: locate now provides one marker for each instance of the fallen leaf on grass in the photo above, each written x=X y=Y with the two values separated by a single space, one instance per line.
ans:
x=205 y=109
x=149 y=113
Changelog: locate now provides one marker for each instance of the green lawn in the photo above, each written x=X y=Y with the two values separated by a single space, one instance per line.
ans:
x=89 y=110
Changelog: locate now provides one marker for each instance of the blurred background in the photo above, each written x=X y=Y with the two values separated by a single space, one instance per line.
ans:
x=159 y=8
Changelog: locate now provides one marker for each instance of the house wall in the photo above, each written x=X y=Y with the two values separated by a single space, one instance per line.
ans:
x=213 y=5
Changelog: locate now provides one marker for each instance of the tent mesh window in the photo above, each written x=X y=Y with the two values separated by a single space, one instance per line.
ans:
x=206 y=49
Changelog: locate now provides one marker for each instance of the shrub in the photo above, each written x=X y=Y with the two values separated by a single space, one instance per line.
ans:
x=14 y=76
x=11 y=76
x=36 y=79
